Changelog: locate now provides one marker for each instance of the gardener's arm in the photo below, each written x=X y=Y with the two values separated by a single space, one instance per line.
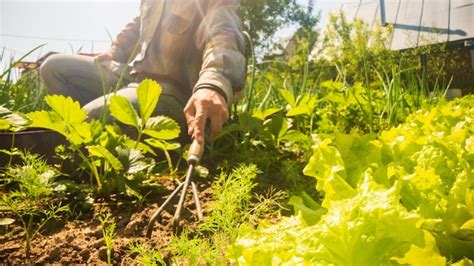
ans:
x=123 y=47
x=222 y=76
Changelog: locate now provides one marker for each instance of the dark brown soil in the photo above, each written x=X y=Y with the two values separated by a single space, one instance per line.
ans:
x=81 y=241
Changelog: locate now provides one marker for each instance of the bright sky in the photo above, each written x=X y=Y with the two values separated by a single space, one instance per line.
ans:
x=72 y=25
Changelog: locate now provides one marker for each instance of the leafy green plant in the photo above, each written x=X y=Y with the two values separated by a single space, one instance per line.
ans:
x=267 y=127
x=108 y=234
x=29 y=197
x=114 y=161
x=404 y=197
x=160 y=129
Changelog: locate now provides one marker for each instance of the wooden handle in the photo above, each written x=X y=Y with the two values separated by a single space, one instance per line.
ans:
x=195 y=152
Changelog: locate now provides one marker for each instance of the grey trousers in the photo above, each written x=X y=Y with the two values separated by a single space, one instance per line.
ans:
x=86 y=81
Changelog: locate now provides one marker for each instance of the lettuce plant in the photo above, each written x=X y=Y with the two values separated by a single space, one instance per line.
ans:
x=405 y=196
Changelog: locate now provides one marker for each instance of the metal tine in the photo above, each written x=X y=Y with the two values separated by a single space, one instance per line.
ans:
x=194 y=156
x=151 y=223
x=177 y=214
x=197 y=201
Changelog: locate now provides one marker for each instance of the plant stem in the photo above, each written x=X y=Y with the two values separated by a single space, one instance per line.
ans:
x=92 y=168
x=252 y=77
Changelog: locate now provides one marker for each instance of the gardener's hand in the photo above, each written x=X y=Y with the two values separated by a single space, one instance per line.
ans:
x=104 y=57
x=205 y=104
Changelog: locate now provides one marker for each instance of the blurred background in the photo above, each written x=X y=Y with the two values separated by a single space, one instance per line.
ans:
x=87 y=26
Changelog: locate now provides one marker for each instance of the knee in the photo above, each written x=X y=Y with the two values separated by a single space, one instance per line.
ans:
x=94 y=109
x=50 y=71
x=47 y=68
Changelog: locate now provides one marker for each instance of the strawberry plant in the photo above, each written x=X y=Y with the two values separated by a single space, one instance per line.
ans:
x=114 y=162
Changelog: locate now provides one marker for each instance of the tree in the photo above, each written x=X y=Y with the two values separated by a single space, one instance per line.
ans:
x=263 y=18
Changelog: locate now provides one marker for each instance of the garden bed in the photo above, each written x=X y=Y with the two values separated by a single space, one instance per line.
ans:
x=81 y=240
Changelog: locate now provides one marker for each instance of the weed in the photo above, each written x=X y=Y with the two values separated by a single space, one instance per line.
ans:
x=146 y=255
x=232 y=194
x=192 y=250
x=29 y=198
x=267 y=206
x=108 y=233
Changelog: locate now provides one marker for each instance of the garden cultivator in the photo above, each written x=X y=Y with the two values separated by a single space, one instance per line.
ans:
x=194 y=156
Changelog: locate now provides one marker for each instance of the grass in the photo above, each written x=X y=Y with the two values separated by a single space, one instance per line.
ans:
x=25 y=94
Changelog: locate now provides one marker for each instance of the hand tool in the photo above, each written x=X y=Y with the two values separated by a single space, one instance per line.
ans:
x=194 y=156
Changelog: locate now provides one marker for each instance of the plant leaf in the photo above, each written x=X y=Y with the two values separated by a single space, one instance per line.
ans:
x=302 y=109
x=17 y=119
x=4 y=124
x=6 y=221
x=49 y=120
x=138 y=162
x=288 y=96
x=310 y=215
x=164 y=145
x=148 y=93
x=162 y=127
x=140 y=146
x=102 y=152
x=277 y=126
x=296 y=136
x=262 y=115
x=66 y=118
x=122 y=109
x=69 y=110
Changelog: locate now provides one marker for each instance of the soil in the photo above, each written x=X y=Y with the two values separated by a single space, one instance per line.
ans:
x=81 y=241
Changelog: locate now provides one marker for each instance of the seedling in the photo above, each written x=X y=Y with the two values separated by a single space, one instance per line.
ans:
x=108 y=233
x=146 y=255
